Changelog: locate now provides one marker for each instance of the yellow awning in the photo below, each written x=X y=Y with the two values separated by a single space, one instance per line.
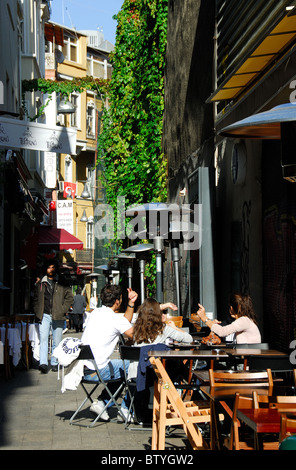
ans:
x=268 y=51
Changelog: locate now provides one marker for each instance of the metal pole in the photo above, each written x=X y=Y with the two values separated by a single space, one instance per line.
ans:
x=129 y=276
x=176 y=259
x=142 y=270
x=158 y=242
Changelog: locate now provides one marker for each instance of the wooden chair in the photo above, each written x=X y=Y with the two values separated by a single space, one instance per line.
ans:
x=235 y=441
x=170 y=410
x=283 y=404
x=177 y=320
x=267 y=442
x=279 y=401
x=288 y=425
x=240 y=378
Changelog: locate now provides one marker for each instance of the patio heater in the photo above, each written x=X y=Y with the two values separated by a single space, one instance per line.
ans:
x=93 y=280
x=111 y=274
x=127 y=259
x=157 y=229
x=140 y=251
x=178 y=228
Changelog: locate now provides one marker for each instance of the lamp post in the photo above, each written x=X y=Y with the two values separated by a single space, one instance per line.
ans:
x=65 y=106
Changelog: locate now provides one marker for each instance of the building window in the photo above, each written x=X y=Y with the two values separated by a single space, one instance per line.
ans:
x=90 y=120
x=97 y=67
x=70 y=48
x=89 y=234
x=68 y=168
x=75 y=117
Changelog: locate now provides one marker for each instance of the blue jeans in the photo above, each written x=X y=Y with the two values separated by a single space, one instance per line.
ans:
x=118 y=368
x=45 y=326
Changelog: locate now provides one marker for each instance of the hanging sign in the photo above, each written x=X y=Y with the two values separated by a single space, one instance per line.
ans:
x=34 y=136
x=65 y=215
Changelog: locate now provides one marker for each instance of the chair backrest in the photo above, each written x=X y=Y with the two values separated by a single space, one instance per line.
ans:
x=240 y=378
x=279 y=401
x=178 y=320
x=85 y=352
x=129 y=353
x=288 y=425
x=242 y=402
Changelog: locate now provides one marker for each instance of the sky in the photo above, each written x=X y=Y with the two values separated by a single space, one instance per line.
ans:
x=87 y=14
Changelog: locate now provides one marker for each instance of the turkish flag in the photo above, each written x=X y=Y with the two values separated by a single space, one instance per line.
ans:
x=69 y=190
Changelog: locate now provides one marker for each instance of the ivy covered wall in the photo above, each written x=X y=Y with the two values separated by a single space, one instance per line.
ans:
x=130 y=144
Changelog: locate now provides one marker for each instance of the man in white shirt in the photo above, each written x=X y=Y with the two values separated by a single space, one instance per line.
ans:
x=101 y=333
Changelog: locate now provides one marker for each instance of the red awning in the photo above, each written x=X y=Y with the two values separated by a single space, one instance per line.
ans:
x=58 y=238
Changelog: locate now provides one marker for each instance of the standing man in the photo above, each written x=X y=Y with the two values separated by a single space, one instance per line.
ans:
x=101 y=333
x=52 y=301
x=78 y=309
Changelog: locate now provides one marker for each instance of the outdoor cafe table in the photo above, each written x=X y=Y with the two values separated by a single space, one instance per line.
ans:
x=218 y=395
x=262 y=420
x=221 y=394
x=201 y=354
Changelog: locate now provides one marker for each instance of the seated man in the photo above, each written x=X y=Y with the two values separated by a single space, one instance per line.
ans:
x=101 y=333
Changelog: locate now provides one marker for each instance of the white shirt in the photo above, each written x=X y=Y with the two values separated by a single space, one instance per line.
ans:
x=101 y=333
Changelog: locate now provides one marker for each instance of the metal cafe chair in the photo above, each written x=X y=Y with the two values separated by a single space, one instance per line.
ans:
x=86 y=354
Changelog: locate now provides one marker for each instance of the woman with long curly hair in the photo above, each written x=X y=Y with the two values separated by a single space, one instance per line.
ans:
x=150 y=328
x=245 y=326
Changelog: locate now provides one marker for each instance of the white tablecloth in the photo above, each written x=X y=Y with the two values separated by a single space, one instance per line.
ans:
x=33 y=337
x=14 y=342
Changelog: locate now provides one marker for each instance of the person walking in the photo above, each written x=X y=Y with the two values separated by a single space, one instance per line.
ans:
x=52 y=301
x=78 y=309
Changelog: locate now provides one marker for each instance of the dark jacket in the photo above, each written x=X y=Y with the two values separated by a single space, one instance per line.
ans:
x=79 y=304
x=56 y=302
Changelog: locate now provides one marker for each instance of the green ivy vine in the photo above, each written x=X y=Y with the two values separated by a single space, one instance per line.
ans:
x=63 y=87
x=130 y=144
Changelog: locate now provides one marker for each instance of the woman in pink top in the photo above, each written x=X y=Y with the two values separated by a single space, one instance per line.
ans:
x=245 y=324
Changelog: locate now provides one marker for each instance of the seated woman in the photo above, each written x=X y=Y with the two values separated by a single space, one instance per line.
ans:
x=245 y=325
x=150 y=328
